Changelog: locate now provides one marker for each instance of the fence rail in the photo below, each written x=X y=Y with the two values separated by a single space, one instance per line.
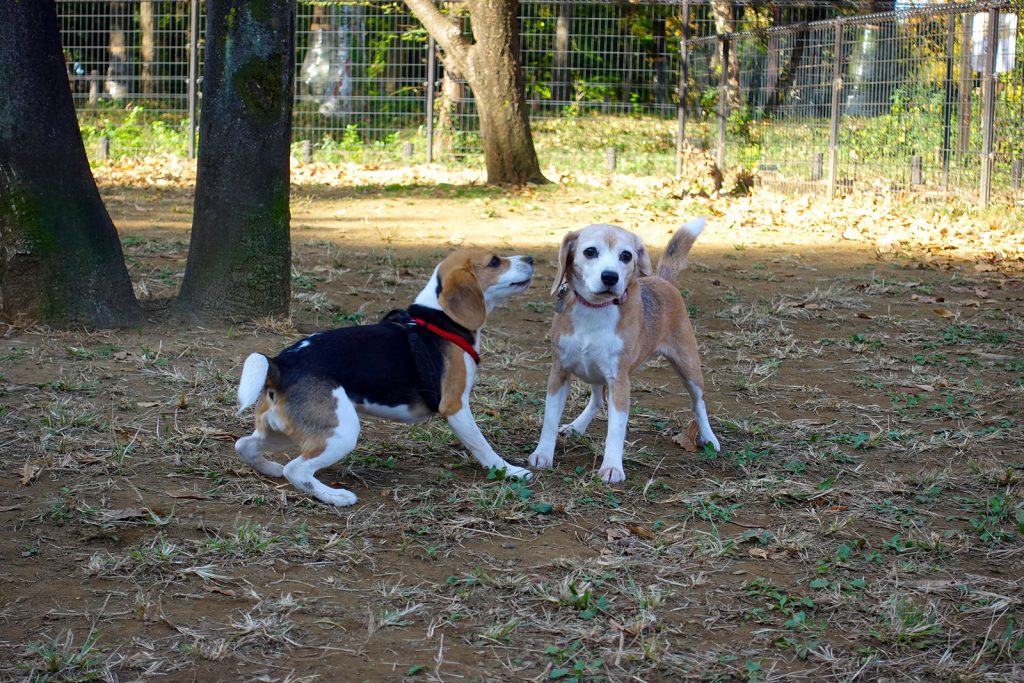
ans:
x=922 y=100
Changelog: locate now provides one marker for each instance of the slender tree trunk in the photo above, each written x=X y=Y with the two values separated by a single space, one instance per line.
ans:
x=239 y=258
x=722 y=11
x=562 y=89
x=658 y=61
x=448 y=108
x=491 y=65
x=60 y=257
x=118 y=84
x=147 y=47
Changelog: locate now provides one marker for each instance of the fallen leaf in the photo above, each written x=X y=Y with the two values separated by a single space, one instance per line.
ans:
x=223 y=591
x=943 y=312
x=688 y=439
x=759 y=553
x=122 y=514
x=29 y=472
x=643 y=533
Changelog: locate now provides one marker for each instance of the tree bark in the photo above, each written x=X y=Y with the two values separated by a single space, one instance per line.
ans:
x=239 y=258
x=448 y=108
x=60 y=258
x=722 y=12
x=147 y=47
x=118 y=83
x=492 y=67
x=562 y=88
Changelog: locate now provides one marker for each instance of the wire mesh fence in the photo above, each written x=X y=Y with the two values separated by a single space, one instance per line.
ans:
x=920 y=99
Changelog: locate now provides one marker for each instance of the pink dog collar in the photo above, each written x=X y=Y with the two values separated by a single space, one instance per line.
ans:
x=618 y=302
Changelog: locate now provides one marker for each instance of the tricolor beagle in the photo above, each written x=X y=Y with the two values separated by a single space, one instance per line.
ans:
x=610 y=316
x=411 y=365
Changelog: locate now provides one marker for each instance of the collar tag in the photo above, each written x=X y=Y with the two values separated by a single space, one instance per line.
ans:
x=563 y=291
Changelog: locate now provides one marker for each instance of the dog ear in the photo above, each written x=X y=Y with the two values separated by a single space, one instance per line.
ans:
x=643 y=259
x=565 y=254
x=462 y=297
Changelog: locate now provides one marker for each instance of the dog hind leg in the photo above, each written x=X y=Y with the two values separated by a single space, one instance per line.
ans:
x=583 y=420
x=684 y=360
x=302 y=470
x=252 y=448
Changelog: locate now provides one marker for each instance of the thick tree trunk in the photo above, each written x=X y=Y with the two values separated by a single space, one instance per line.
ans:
x=562 y=87
x=60 y=257
x=499 y=87
x=492 y=67
x=239 y=258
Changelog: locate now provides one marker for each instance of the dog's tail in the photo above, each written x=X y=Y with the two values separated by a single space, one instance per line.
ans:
x=674 y=259
x=253 y=381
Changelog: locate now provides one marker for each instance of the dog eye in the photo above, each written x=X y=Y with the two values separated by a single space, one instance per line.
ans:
x=590 y=252
x=625 y=257
x=495 y=262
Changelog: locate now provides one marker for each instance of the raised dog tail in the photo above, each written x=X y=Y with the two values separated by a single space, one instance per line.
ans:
x=253 y=381
x=674 y=259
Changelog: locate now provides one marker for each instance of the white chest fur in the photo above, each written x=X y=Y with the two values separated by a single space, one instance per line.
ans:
x=592 y=351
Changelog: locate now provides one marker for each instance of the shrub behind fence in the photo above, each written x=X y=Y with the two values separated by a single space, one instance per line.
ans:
x=912 y=101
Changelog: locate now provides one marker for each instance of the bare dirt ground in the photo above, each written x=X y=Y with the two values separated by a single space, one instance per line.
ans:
x=865 y=520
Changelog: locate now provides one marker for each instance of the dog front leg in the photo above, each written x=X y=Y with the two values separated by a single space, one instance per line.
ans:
x=618 y=415
x=554 y=404
x=468 y=432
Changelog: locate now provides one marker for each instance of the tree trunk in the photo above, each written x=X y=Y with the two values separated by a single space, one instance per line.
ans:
x=722 y=11
x=147 y=47
x=448 y=108
x=60 y=257
x=562 y=89
x=658 y=61
x=118 y=82
x=491 y=65
x=239 y=258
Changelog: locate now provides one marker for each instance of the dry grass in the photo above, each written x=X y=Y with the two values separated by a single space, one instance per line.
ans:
x=864 y=521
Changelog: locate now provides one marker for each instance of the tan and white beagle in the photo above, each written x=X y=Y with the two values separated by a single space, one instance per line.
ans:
x=413 y=364
x=611 y=315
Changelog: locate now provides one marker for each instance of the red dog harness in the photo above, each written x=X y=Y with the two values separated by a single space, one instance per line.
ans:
x=449 y=336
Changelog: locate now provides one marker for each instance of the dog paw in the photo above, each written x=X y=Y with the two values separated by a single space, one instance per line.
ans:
x=612 y=475
x=336 y=497
x=570 y=429
x=713 y=440
x=513 y=472
x=269 y=468
x=542 y=460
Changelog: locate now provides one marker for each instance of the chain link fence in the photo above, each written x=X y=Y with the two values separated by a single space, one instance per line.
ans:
x=918 y=100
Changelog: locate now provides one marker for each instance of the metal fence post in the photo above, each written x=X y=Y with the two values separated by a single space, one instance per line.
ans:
x=684 y=75
x=988 y=84
x=833 y=128
x=723 y=101
x=193 y=75
x=431 y=82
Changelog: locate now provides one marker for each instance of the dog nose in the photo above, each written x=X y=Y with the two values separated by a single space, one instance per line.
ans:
x=528 y=259
x=609 y=277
